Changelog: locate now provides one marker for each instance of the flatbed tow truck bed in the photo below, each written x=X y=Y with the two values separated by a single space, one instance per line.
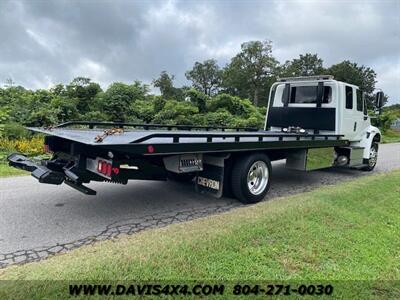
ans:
x=118 y=152
x=182 y=140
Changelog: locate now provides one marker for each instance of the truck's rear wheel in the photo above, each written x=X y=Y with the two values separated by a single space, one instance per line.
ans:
x=251 y=178
x=373 y=158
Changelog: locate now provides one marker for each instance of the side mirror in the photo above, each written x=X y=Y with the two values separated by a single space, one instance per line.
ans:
x=379 y=99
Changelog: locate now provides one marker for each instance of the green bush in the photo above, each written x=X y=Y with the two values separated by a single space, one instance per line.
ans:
x=175 y=112
x=15 y=131
x=142 y=110
x=94 y=116
x=85 y=100
x=222 y=117
x=197 y=98
x=235 y=105
x=386 y=119
x=28 y=146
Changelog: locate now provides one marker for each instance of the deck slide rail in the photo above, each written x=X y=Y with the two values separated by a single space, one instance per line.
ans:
x=238 y=137
x=93 y=124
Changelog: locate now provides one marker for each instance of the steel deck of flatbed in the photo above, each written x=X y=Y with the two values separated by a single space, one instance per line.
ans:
x=193 y=141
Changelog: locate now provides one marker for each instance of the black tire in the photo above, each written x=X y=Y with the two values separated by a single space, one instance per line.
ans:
x=182 y=177
x=240 y=180
x=371 y=162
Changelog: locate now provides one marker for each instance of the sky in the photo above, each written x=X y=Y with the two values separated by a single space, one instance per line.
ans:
x=49 y=42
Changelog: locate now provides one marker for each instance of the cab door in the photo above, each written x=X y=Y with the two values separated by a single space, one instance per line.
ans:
x=362 y=113
x=358 y=114
x=350 y=121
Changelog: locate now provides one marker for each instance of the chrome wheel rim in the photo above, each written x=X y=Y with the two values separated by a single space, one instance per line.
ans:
x=373 y=156
x=257 y=177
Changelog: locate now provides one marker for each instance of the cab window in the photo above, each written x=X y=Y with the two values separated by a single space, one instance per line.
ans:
x=308 y=95
x=349 y=97
x=359 y=100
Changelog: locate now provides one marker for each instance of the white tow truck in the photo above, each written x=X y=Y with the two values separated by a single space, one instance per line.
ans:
x=311 y=122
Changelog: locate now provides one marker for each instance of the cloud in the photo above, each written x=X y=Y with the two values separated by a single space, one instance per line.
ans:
x=46 y=42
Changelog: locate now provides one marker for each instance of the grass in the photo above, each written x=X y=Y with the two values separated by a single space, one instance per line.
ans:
x=390 y=136
x=348 y=234
x=6 y=170
x=28 y=146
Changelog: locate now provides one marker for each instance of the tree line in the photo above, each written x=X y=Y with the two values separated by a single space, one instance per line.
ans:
x=232 y=95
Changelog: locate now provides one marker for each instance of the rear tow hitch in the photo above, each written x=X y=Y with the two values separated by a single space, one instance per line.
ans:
x=45 y=175
x=40 y=172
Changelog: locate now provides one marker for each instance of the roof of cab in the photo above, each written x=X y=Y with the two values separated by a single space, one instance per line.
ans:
x=305 y=79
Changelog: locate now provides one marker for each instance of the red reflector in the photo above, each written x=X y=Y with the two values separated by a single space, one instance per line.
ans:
x=116 y=171
x=150 y=149
x=109 y=170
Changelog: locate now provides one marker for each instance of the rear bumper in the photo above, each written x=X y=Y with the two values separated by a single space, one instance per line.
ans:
x=39 y=171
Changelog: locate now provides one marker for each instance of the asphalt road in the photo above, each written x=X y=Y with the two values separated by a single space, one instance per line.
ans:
x=38 y=220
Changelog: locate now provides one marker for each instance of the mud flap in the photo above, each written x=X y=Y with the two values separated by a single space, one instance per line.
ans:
x=210 y=181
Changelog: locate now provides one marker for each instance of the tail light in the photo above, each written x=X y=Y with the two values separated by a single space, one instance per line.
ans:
x=106 y=168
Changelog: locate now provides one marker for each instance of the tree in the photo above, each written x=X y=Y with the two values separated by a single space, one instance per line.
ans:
x=176 y=112
x=119 y=97
x=58 y=90
x=235 y=105
x=139 y=90
x=165 y=84
x=205 y=76
x=362 y=76
x=4 y=117
x=306 y=65
x=82 y=89
x=249 y=70
x=63 y=109
x=197 y=98
x=142 y=111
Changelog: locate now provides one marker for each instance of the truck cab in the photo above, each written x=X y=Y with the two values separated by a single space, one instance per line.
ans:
x=322 y=105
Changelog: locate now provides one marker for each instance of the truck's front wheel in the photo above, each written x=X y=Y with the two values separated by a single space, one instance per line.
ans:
x=251 y=178
x=373 y=157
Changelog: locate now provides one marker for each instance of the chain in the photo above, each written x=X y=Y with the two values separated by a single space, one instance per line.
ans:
x=107 y=132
